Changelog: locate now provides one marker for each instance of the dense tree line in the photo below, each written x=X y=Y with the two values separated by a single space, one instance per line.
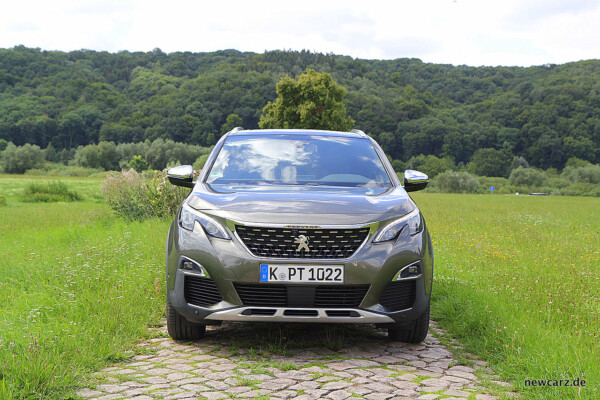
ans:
x=104 y=156
x=544 y=114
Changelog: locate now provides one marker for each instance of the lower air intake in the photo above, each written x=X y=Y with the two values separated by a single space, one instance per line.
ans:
x=398 y=295
x=200 y=291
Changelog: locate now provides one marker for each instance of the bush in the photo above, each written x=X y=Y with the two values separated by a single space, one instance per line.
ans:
x=138 y=163
x=456 y=182
x=587 y=174
x=164 y=152
x=2 y=201
x=580 y=189
x=52 y=169
x=18 y=159
x=134 y=196
x=577 y=162
x=431 y=165
x=398 y=166
x=48 y=192
x=497 y=182
x=527 y=177
x=128 y=150
x=103 y=155
x=199 y=163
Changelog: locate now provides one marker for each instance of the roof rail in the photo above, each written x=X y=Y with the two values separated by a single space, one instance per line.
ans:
x=358 y=132
x=235 y=130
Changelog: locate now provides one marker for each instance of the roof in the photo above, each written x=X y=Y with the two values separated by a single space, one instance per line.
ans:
x=239 y=131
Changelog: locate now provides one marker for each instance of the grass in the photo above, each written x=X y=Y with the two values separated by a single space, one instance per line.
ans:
x=13 y=186
x=518 y=283
x=48 y=192
x=77 y=288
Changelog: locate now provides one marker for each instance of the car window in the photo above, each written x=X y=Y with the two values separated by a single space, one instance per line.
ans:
x=298 y=160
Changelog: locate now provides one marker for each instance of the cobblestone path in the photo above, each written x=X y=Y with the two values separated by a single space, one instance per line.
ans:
x=264 y=361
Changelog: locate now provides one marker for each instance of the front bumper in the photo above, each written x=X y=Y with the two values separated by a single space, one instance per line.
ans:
x=287 y=314
x=228 y=262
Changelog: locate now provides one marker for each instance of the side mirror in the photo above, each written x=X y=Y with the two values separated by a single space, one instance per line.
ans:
x=415 y=180
x=182 y=175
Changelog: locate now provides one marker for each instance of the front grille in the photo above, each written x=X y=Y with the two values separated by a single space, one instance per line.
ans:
x=398 y=295
x=262 y=295
x=340 y=296
x=285 y=243
x=200 y=291
x=279 y=295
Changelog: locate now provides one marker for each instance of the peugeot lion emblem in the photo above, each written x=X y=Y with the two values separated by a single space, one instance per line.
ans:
x=302 y=243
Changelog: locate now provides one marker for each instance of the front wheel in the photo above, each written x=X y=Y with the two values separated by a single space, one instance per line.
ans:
x=414 y=333
x=179 y=328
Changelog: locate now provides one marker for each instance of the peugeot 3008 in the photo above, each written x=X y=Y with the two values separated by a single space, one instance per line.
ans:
x=298 y=226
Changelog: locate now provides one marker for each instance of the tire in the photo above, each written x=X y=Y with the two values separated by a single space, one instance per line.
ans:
x=415 y=333
x=179 y=328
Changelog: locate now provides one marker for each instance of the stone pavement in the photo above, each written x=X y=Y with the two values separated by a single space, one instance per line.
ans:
x=243 y=361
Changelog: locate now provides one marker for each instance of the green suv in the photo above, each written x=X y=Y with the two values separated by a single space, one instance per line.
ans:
x=298 y=226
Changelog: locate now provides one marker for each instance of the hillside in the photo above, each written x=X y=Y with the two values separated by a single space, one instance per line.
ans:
x=547 y=114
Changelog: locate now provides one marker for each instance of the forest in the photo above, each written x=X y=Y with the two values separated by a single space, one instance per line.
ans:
x=544 y=115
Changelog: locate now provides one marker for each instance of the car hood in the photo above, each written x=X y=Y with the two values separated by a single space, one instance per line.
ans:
x=300 y=205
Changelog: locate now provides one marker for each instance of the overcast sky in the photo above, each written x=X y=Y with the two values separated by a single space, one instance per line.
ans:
x=471 y=32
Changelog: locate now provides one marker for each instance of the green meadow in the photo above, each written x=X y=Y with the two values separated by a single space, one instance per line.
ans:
x=517 y=282
x=78 y=287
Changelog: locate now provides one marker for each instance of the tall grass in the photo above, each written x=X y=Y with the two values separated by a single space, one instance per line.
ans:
x=517 y=279
x=56 y=169
x=136 y=196
x=48 y=192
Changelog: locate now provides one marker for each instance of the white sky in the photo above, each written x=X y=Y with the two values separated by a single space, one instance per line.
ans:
x=471 y=32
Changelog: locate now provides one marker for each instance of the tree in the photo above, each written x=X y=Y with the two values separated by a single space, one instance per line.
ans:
x=431 y=165
x=519 y=162
x=547 y=115
x=489 y=162
x=527 y=177
x=50 y=153
x=231 y=122
x=571 y=162
x=103 y=155
x=199 y=163
x=18 y=159
x=138 y=163
x=456 y=182
x=314 y=101
x=587 y=174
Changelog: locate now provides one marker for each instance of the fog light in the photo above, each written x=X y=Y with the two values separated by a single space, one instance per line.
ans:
x=193 y=267
x=409 y=272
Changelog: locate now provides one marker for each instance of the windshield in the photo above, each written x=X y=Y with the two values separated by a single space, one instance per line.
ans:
x=298 y=160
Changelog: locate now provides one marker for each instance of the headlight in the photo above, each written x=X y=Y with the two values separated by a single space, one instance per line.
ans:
x=390 y=232
x=189 y=216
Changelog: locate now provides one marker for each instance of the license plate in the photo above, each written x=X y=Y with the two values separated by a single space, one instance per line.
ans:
x=304 y=273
